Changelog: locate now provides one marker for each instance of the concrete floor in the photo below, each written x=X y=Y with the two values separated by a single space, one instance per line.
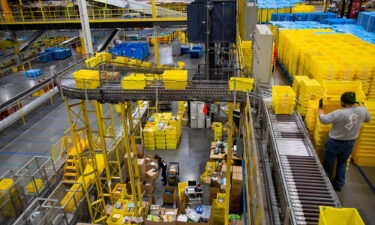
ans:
x=14 y=83
x=192 y=154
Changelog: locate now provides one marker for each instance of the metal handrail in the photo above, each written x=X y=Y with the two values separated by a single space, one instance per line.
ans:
x=28 y=15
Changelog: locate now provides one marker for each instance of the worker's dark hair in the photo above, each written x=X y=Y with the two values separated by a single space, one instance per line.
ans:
x=157 y=157
x=348 y=98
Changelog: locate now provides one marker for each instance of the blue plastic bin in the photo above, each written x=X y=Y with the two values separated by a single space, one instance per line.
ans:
x=33 y=72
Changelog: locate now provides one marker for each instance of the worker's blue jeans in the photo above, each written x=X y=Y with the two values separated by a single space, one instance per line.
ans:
x=341 y=151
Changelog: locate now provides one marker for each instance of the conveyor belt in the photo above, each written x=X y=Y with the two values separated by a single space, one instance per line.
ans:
x=196 y=91
x=301 y=180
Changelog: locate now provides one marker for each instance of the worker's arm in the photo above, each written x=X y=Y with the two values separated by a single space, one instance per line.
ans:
x=326 y=118
x=367 y=116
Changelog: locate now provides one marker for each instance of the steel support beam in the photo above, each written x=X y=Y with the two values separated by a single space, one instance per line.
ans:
x=86 y=32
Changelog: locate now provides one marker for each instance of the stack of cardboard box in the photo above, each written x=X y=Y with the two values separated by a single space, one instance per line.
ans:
x=169 y=195
x=236 y=189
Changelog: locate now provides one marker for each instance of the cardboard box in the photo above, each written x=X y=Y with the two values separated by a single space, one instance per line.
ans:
x=147 y=188
x=223 y=187
x=237 y=169
x=213 y=193
x=151 y=165
x=224 y=169
x=185 y=122
x=110 y=75
x=173 y=169
x=169 y=198
x=237 y=179
x=140 y=150
x=142 y=167
x=151 y=176
x=215 y=180
x=236 y=190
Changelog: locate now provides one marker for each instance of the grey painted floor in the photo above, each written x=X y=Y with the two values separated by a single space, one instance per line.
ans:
x=42 y=130
x=192 y=154
x=14 y=83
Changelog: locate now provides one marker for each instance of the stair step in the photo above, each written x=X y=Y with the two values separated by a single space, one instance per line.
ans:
x=70 y=168
x=70 y=174
x=69 y=180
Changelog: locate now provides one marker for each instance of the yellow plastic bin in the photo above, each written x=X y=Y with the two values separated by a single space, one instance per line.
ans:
x=88 y=79
x=242 y=84
x=175 y=79
x=339 y=216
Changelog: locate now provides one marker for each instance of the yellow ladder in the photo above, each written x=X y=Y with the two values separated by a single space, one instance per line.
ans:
x=71 y=172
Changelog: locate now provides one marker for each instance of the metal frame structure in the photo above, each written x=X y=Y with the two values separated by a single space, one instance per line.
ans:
x=79 y=121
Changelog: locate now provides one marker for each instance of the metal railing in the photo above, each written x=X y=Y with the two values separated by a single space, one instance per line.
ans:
x=256 y=205
x=31 y=15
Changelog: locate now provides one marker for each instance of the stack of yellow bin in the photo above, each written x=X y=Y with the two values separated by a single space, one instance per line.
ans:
x=320 y=137
x=371 y=93
x=311 y=116
x=87 y=79
x=297 y=80
x=160 y=136
x=247 y=54
x=162 y=131
x=134 y=81
x=324 y=55
x=173 y=133
x=182 y=108
x=334 y=89
x=364 y=151
x=175 y=79
x=149 y=136
x=283 y=99
x=219 y=208
x=218 y=130
x=309 y=90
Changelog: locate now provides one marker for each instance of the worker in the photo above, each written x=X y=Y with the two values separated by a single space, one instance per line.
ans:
x=163 y=167
x=346 y=123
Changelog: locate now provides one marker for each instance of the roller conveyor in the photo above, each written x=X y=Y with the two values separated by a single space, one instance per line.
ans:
x=300 y=179
x=113 y=92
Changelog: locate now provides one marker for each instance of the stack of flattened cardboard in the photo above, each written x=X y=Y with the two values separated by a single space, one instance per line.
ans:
x=236 y=189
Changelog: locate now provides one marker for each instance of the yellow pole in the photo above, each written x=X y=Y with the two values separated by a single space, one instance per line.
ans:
x=156 y=45
x=21 y=112
x=41 y=9
x=229 y=162
x=6 y=11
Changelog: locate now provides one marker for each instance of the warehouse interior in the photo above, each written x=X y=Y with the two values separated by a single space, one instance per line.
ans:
x=131 y=112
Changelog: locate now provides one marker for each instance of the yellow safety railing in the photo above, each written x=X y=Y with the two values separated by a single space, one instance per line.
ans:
x=61 y=147
x=72 y=14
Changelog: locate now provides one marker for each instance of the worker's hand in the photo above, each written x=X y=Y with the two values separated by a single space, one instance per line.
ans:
x=321 y=104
